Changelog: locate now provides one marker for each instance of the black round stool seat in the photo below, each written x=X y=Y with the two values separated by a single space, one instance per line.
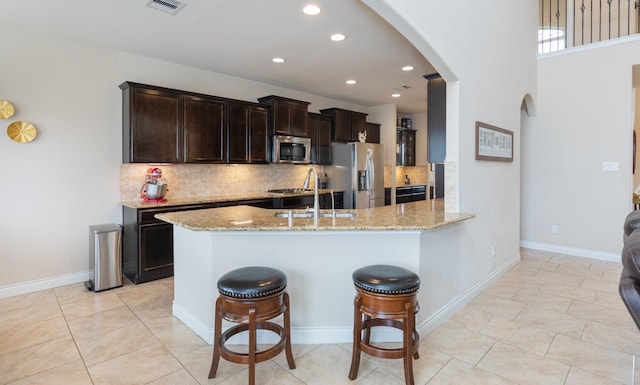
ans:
x=386 y=279
x=252 y=282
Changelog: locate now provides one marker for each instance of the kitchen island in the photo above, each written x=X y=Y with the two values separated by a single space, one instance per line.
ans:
x=318 y=258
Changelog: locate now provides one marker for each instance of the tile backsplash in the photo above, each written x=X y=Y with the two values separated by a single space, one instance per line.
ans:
x=195 y=180
x=417 y=174
x=206 y=180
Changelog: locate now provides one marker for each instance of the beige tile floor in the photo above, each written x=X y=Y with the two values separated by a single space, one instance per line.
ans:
x=552 y=319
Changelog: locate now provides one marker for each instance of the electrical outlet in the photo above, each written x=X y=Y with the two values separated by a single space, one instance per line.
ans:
x=610 y=166
x=555 y=229
x=493 y=251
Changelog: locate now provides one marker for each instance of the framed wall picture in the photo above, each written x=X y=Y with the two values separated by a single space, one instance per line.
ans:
x=493 y=143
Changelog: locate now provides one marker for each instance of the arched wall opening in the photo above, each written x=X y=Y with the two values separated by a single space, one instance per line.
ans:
x=429 y=53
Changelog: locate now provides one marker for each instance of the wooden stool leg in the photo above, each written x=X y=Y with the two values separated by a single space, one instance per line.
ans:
x=357 y=334
x=287 y=330
x=367 y=331
x=415 y=355
x=407 y=332
x=216 y=339
x=252 y=346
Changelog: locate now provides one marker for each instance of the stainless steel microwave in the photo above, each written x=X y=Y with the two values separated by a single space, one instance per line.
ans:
x=291 y=149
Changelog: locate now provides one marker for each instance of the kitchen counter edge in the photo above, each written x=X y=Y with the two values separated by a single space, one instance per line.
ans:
x=422 y=215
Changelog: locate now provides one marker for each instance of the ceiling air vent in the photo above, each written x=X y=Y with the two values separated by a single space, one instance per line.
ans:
x=401 y=88
x=168 y=6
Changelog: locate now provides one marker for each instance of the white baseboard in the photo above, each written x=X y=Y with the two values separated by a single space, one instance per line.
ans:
x=576 y=252
x=329 y=335
x=299 y=335
x=194 y=323
x=344 y=334
x=43 y=284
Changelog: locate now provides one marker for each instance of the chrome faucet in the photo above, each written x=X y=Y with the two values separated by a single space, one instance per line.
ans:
x=316 y=205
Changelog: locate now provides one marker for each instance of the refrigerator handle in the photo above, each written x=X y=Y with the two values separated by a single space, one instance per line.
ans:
x=370 y=173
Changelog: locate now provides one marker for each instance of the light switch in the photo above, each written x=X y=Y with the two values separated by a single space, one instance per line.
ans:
x=610 y=166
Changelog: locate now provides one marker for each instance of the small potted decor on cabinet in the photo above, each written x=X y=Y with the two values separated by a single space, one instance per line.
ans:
x=362 y=136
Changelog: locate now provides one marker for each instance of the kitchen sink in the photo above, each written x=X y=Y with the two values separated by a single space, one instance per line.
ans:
x=309 y=214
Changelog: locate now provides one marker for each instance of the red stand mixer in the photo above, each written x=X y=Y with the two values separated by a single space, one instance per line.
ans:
x=153 y=190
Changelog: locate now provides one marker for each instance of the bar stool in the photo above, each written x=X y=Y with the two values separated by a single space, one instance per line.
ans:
x=385 y=296
x=250 y=296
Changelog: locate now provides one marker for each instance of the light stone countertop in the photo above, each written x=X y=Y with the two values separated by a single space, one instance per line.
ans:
x=422 y=215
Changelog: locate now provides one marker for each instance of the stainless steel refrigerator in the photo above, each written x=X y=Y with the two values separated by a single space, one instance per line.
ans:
x=358 y=169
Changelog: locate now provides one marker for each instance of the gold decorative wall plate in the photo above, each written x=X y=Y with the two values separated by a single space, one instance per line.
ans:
x=6 y=109
x=22 y=132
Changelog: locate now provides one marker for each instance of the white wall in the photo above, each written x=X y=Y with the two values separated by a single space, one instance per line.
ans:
x=67 y=178
x=585 y=117
x=488 y=71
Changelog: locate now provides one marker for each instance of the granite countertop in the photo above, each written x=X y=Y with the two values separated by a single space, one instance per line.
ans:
x=181 y=201
x=422 y=215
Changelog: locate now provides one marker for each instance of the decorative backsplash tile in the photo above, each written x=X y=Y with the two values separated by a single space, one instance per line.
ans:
x=206 y=180
x=417 y=174
x=195 y=180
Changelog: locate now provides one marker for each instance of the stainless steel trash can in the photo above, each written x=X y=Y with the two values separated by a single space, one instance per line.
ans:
x=105 y=257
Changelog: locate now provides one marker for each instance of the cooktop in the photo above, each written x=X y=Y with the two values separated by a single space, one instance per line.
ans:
x=289 y=191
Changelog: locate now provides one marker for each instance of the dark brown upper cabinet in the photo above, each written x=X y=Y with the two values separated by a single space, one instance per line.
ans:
x=151 y=124
x=373 y=132
x=346 y=124
x=204 y=130
x=162 y=125
x=436 y=119
x=320 y=130
x=248 y=133
x=259 y=144
x=405 y=147
x=286 y=116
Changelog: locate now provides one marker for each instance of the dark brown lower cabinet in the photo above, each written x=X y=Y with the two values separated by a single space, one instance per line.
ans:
x=147 y=242
x=304 y=201
x=411 y=193
x=338 y=200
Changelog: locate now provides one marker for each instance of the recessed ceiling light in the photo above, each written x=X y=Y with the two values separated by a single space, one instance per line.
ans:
x=338 y=37
x=278 y=60
x=407 y=68
x=351 y=82
x=395 y=95
x=311 y=10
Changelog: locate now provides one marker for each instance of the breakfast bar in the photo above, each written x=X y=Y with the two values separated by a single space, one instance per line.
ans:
x=318 y=257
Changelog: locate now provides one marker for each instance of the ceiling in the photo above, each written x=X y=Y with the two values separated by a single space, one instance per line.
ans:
x=241 y=37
